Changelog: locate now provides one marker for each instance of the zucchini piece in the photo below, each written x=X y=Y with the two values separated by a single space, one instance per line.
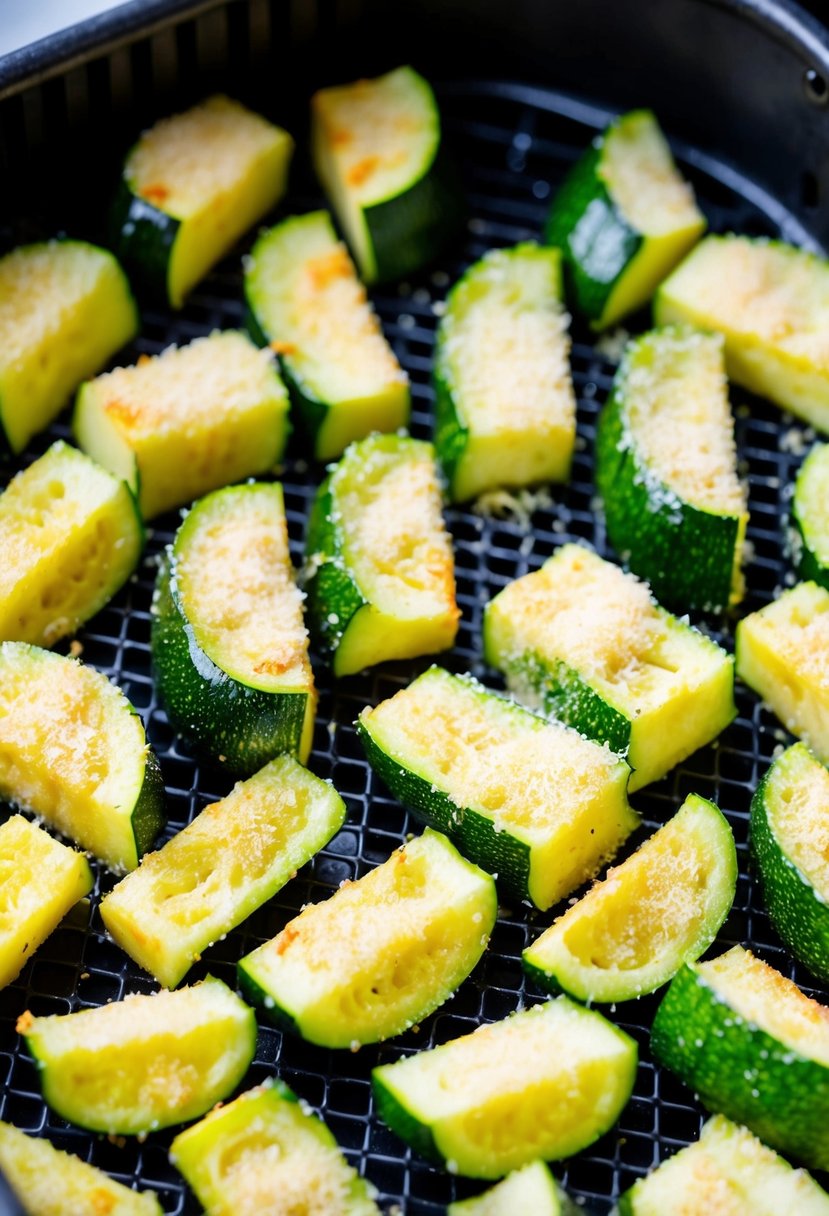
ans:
x=266 y=1153
x=144 y=1062
x=810 y=516
x=782 y=652
x=505 y=412
x=529 y=800
x=530 y=1191
x=752 y=1046
x=788 y=843
x=191 y=186
x=49 y=1182
x=666 y=467
x=70 y=535
x=40 y=880
x=381 y=572
x=65 y=309
x=591 y=644
x=546 y=1082
x=378 y=151
x=73 y=750
x=233 y=857
x=769 y=301
x=305 y=301
x=660 y=908
x=229 y=646
x=623 y=219
x=189 y=420
x=728 y=1172
x=381 y=953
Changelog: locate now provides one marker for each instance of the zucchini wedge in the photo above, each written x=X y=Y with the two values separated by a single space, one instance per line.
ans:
x=73 y=750
x=144 y=1062
x=189 y=420
x=235 y=855
x=381 y=571
x=266 y=1153
x=529 y=800
x=659 y=909
x=623 y=219
x=532 y=1189
x=70 y=535
x=305 y=301
x=666 y=468
x=229 y=646
x=727 y=1172
x=788 y=828
x=753 y=1047
x=810 y=516
x=591 y=644
x=49 y=1182
x=40 y=880
x=378 y=151
x=381 y=953
x=782 y=652
x=191 y=186
x=65 y=309
x=770 y=302
x=546 y=1082
x=505 y=411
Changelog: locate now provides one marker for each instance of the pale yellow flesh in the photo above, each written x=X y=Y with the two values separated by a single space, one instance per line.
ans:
x=530 y=1190
x=797 y=798
x=643 y=180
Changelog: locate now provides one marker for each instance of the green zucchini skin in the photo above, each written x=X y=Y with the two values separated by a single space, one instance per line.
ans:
x=148 y=817
x=308 y=411
x=810 y=566
x=451 y=432
x=332 y=591
x=143 y=236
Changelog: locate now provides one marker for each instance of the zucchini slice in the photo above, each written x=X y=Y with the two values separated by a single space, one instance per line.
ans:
x=526 y=799
x=378 y=151
x=782 y=652
x=753 y=1047
x=381 y=572
x=728 y=1172
x=505 y=412
x=666 y=467
x=810 y=516
x=229 y=646
x=623 y=219
x=770 y=302
x=49 y=1182
x=305 y=301
x=40 y=880
x=266 y=1153
x=143 y=1062
x=189 y=420
x=73 y=750
x=659 y=909
x=788 y=843
x=65 y=309
x=70 y=535
x=191 y=186
x=530 y=1190
x=381 y=953
x=233 y=857
x=546 y=1082
x=591 y=644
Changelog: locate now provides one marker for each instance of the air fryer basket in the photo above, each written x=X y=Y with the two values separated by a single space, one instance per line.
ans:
x=741 y=88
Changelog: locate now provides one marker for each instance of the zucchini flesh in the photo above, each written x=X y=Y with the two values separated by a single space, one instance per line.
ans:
x=810 y=512
x=531 y=1189
x=505 y=413
x=306 y=302
x=545 y=1082
x=666 y=467
x=73 y=750
x=529 y=800
x=591 y=644
x=770 y=302
x=144 y=1062
x=381 y=581
x=65 y=309
x=235 y=854
x=186 y=421
x=381 y=953
x=662 y=907
x=265 y=1152
x=40 y=880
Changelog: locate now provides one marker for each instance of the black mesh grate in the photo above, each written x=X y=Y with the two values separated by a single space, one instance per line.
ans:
x=514 y=145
